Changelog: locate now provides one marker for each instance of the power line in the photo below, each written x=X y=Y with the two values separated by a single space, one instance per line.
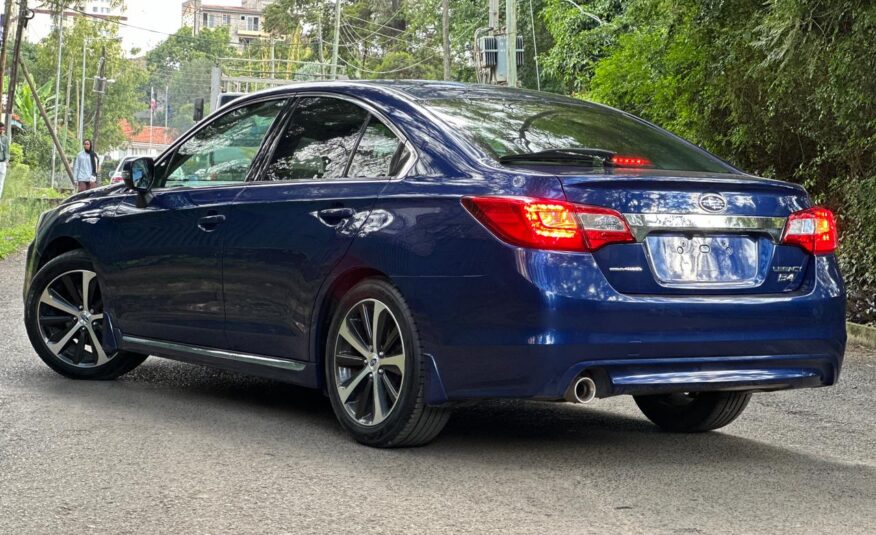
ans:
x=347 y=63
x=390 y=19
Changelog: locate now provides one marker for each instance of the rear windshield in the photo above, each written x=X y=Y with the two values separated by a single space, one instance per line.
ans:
x=504 y=127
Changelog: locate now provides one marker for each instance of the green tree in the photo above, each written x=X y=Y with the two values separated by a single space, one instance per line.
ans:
x=120 y=100
x=183 y=46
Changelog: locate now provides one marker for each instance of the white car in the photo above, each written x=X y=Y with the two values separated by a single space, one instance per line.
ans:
x=116 y=177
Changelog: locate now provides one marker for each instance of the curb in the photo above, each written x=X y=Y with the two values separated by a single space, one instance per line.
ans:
x=861 y=334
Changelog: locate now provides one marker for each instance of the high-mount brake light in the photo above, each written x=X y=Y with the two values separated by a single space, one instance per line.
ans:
x=813 y=229
x=549 y=224
x=619 y=160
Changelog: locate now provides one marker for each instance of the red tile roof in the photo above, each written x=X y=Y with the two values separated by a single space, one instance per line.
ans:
x=159 y=134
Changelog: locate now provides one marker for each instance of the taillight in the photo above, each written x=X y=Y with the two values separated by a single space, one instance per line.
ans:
x=813 y=229
x=549 y=224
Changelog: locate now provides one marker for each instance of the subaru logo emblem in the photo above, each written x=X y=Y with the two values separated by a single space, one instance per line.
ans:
x=712 y=202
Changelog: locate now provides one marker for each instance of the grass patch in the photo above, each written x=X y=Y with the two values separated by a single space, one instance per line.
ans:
x=14 y=238
x=24 y=199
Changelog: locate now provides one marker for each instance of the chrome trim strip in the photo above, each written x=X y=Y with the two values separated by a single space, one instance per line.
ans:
x=643 y=224
x=292 y=365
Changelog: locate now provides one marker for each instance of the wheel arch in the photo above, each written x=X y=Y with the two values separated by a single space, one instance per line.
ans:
x=327 y=303
x=58 y=246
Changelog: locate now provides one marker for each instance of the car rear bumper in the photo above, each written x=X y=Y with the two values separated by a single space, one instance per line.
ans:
x=655 y=376
x=530 y=333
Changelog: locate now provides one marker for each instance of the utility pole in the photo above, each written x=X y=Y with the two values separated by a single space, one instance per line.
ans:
x=58 y=82
x=23 y=17
x=337 y=40
x=101 y=84
x=151 y=116
x=493 y=14
x=196 y=5
x=446 y=38
x=7 y=16
x=82 y=95
x=45 y=117
x=273 y=71
x=534 y=47
x=511 y=35
x=319 y=32
x=67 y=102
x=166 y=107
x=85 y=43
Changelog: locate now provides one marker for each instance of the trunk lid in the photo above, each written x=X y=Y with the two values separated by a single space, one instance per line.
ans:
x=696 y=233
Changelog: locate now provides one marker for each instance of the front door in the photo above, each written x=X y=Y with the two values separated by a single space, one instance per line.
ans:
x=165 y=279
x=300 y=217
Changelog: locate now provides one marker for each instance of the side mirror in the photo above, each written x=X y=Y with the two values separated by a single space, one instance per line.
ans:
x=139 y=174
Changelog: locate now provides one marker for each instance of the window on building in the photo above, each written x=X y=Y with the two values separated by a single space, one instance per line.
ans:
x=251 y=23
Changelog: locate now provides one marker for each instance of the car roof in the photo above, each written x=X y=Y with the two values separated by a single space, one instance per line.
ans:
x=435 y=90
x=420 y=90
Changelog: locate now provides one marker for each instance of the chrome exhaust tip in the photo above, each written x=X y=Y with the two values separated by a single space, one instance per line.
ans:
x=583 y=390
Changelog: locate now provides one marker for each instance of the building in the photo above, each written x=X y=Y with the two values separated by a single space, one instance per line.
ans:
x=147 y=141
x=44 y=20
x=245 y=22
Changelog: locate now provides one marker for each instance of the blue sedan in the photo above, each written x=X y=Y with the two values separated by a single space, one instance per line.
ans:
x=408 y=246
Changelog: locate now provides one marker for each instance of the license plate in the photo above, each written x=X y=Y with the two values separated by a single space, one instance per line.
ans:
x=703 y=259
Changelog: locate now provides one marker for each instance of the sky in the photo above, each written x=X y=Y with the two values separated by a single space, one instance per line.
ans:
x=163 y=17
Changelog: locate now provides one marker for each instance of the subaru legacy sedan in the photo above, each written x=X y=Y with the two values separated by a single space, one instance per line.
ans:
x=409 y=246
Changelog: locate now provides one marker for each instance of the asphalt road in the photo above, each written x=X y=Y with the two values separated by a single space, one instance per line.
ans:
x=174 y=448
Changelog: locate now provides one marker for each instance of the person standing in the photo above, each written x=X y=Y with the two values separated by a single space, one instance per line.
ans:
x=4 y=156
x=85 y=167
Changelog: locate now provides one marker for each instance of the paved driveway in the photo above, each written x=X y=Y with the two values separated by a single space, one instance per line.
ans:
x=174 y=448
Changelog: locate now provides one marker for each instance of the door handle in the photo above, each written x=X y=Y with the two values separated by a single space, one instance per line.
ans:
x=208 y=223
x=336 y=215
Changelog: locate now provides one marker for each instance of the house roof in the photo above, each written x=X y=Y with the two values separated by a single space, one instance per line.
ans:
x=158 y=134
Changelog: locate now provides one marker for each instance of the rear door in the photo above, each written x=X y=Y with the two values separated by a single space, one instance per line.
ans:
x=315 y=192
x=166 y=277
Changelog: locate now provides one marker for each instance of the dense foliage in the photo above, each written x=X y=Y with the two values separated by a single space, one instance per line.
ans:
x=783 y=89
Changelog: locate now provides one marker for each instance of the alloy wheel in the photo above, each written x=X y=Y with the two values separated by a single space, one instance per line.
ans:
x=70 y=319
x=369 y=362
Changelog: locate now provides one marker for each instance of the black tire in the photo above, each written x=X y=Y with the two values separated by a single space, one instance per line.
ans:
x=410 y=422
x=118 y=364
x=694 y=412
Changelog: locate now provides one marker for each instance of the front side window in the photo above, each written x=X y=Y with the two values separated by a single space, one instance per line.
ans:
x=223 y=151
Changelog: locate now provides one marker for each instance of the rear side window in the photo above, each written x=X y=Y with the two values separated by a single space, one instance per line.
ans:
x=333 y=138
x=379 y=152
x=319 y=140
